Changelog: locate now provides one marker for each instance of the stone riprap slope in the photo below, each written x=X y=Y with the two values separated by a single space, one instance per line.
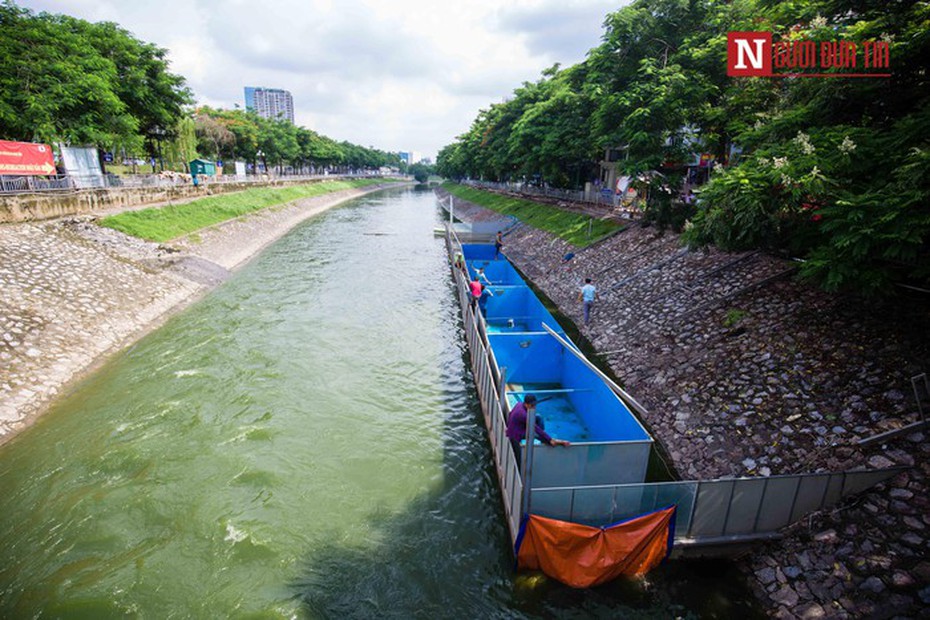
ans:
x=65 y=301
x=747 y=372
x=72 y=292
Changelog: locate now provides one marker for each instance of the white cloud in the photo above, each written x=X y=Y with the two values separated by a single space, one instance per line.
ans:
x=405 y=75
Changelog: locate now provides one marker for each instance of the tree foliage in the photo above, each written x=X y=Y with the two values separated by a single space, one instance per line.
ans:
x=238 y=134
x=65 y=79
x=834 y=171
x=420 y=172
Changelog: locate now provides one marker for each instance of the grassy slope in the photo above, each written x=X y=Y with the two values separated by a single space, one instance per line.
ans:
x=571 y=227
x=166 y=223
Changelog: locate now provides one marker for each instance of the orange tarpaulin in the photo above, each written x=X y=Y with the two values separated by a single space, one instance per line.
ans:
x=583 y=556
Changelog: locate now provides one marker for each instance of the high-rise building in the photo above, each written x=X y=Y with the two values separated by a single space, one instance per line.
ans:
x=409 y=157
x=270 y=102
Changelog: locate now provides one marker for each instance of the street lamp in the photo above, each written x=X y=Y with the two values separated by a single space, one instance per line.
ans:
x=158 y=134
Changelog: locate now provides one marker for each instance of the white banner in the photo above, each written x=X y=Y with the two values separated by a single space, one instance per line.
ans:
x=82 y=165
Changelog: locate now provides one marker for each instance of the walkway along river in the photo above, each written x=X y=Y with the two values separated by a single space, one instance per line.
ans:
x=304 y=442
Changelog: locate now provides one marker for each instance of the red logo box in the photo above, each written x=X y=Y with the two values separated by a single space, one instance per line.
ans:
x=749 y=54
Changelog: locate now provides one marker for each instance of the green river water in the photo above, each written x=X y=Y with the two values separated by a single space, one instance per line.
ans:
x=305 y=442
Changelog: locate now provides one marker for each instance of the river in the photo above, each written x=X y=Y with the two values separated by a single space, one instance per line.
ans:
x=305 y=442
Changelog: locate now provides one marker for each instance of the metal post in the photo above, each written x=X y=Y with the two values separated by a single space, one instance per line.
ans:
x=626 y=398
x=527 y=469
x=451 y=207
x=914 y=382
x=502 y=389
x=908 y=428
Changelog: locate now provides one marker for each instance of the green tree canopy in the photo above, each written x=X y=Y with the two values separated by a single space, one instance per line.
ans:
x=65 y=79
x=238 y=134
x=834 y=171
x=420 y=172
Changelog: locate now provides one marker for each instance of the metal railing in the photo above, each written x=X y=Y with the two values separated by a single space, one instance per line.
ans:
x=921 y=386
x=490 y=384
x=14 y=185
x=710 y=511
x=569 y=195
x=66 y=182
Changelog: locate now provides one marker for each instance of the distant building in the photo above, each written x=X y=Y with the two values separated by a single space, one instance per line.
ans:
x=273 y=103
x=410 y=157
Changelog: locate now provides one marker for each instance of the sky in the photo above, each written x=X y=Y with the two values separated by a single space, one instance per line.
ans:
x=405 y=75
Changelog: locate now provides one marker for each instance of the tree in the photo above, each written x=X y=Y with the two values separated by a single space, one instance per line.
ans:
x=420 y=172
x=834 y=170
x=182 y=148
x=64 y=79
x=214 y=138
x=277 y=140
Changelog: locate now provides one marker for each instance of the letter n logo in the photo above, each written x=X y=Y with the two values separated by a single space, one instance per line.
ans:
x=749 y=54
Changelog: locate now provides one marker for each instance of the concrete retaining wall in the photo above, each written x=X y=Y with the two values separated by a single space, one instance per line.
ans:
x=52 y=204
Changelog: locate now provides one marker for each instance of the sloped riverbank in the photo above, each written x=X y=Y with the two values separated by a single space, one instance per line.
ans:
x=72 y=293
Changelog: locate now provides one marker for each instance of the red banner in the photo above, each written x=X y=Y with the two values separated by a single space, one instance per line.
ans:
x=26 y=158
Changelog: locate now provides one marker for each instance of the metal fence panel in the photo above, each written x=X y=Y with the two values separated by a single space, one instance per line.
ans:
x=680 y=494
x=486 y=381
x=732 y=508
x=744 y=506
x=811 y=495
x=516 y=493
x=858 y=481
x=632 y=501
x=834 y=492
x=777 y=503
x=710 y=508
x=553 y=503
x=12 y=184
x=590 y=505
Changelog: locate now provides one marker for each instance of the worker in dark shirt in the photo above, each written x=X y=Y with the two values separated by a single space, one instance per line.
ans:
x=516 y=426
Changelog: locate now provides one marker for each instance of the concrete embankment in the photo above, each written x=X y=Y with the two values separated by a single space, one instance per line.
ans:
x=747 y=372
x=71 y=293
x=53 y=204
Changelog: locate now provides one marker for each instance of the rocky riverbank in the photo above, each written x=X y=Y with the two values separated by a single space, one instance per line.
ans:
x=71 y=293
x=747 y=372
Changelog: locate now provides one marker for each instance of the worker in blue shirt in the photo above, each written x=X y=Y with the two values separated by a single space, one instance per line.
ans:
x=586 y=296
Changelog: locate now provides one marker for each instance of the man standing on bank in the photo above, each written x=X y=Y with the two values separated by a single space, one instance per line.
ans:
x=586 y=296
x=516 y=427
x=498 y=244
